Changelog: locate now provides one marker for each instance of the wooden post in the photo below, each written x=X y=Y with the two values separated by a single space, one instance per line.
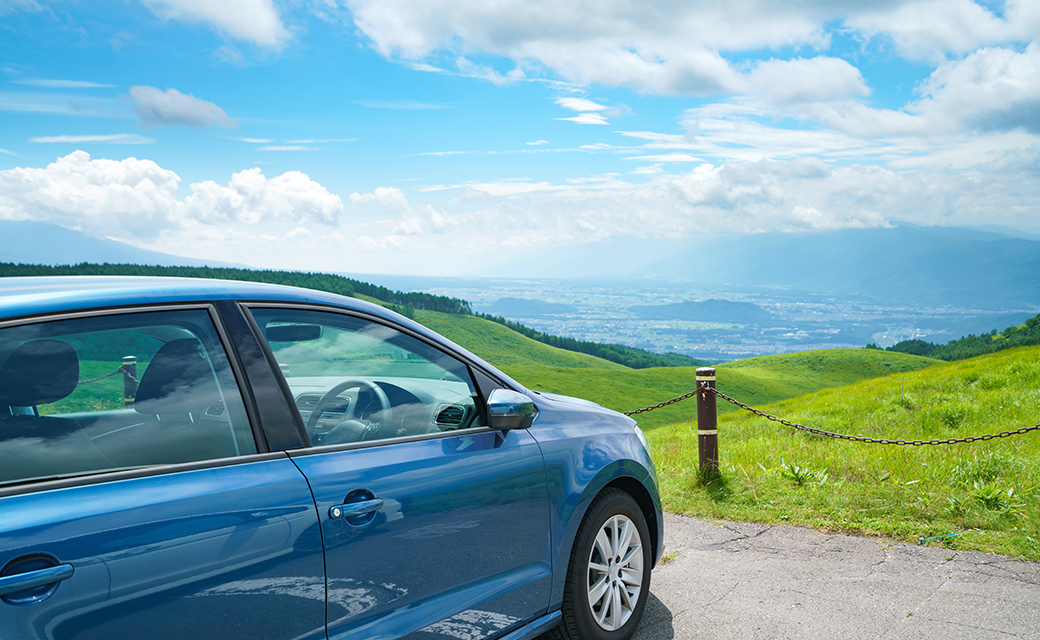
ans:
x=707 y=423
x=129 y=380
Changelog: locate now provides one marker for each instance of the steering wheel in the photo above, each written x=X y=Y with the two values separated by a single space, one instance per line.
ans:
x=330 y=397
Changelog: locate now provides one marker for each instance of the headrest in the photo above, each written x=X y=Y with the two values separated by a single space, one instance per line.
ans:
x=39 y=372
x=178 y=380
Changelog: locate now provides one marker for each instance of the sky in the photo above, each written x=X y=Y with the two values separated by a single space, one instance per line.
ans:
x=442 y=137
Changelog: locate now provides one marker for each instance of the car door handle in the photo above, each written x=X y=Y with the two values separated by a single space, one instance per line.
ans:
x=34 y=579
x=351 y=509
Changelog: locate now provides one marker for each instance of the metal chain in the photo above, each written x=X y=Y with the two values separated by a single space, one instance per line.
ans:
x=830 y=434
x=121 y=370
x=666 y=402
x=842 y=436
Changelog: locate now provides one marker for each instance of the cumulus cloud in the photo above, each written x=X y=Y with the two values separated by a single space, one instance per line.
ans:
x=819 y=79
x=255 y=21
x=157 y=108
x=252 y=198
x=664 y=47
x=137 y=199
x=407 y=220
x=933 y=29
x=993 y=89
x=132 y=197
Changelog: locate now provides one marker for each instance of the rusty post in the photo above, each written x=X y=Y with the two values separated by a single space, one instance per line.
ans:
x=129 y=380
x=707 y=423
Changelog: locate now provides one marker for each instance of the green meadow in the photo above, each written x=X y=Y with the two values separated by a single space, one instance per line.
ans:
x=983 y=496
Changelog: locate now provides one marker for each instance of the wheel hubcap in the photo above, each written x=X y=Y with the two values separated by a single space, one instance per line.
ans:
x=615 y=574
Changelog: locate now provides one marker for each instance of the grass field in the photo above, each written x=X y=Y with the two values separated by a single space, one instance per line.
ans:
x=987 y=493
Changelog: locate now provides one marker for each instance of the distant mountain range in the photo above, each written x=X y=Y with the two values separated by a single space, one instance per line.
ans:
x=954 y=266
x=706 y=311
x=24 y=241
x=526 y=308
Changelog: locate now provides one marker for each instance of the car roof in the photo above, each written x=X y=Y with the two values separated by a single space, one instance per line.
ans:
x=46 y=295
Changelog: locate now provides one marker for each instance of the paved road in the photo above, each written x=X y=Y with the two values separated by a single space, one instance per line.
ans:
x=732 y=581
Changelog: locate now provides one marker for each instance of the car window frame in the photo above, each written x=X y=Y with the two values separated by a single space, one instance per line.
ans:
x=237 y=372
x=479 y=377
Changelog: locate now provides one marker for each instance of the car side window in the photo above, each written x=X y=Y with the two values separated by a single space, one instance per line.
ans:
x=118 y=391
x=355 y=380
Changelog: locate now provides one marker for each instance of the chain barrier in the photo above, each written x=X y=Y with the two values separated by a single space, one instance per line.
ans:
x=831 y=434
x=121 y=370
x=665 y=403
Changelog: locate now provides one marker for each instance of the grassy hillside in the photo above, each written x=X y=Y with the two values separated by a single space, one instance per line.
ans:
x=988 y=493
x=504 y=347
x=757 y=380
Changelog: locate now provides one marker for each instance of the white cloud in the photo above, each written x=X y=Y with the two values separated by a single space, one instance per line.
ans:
x=116 y=138
x=587 y=118
x=536 y=143
x=664 y=47
x=255 y=21
x=62 y=84
x=51 y=102
x=819 y=79
x=10 y=6
x=252 y=198
x=669 y=157
x=137 y=200
x=993 y=89
x=157 y=108
x=933 y=29
x=128 y=197
x=580 y=104
x=408 y=220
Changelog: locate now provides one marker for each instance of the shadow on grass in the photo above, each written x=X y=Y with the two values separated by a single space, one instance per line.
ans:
x=715 y=484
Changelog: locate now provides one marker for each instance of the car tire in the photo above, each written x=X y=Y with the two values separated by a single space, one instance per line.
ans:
x=604 y=597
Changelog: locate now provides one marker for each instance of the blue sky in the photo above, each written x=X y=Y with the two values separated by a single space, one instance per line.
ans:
x=443 y=136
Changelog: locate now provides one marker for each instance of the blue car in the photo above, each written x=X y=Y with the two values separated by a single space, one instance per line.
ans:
x=198 y=459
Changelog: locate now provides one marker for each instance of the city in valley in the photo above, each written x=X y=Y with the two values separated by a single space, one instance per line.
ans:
x=659 y=316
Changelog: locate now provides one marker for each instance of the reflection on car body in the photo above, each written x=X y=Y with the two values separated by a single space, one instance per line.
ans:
x=286 y=463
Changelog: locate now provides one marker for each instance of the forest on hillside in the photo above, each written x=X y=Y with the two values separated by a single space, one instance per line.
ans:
x=972 y=345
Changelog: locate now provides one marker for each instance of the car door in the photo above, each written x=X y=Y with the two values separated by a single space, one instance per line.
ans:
x=136 y=502
x=434 y=525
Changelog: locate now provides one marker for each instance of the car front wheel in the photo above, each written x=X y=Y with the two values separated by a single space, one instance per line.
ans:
x=608 y=579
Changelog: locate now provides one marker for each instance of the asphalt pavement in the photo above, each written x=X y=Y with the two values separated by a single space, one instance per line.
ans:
x=736 y=581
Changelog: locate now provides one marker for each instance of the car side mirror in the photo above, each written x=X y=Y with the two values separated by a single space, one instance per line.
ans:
x=510 y=409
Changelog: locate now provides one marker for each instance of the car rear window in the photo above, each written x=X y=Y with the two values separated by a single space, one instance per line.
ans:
x=116 y=391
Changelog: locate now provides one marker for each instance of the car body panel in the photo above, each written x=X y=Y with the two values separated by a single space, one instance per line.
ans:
x=182 y=554
x=462 y=530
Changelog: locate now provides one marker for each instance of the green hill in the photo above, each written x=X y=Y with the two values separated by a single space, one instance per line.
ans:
x=757 y=380
x=504 y=347
x=988 y=493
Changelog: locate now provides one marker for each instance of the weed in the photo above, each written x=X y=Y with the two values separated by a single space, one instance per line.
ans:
x=802 y=475
x=879 y=476
x=994 y=498
x=670 y=556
